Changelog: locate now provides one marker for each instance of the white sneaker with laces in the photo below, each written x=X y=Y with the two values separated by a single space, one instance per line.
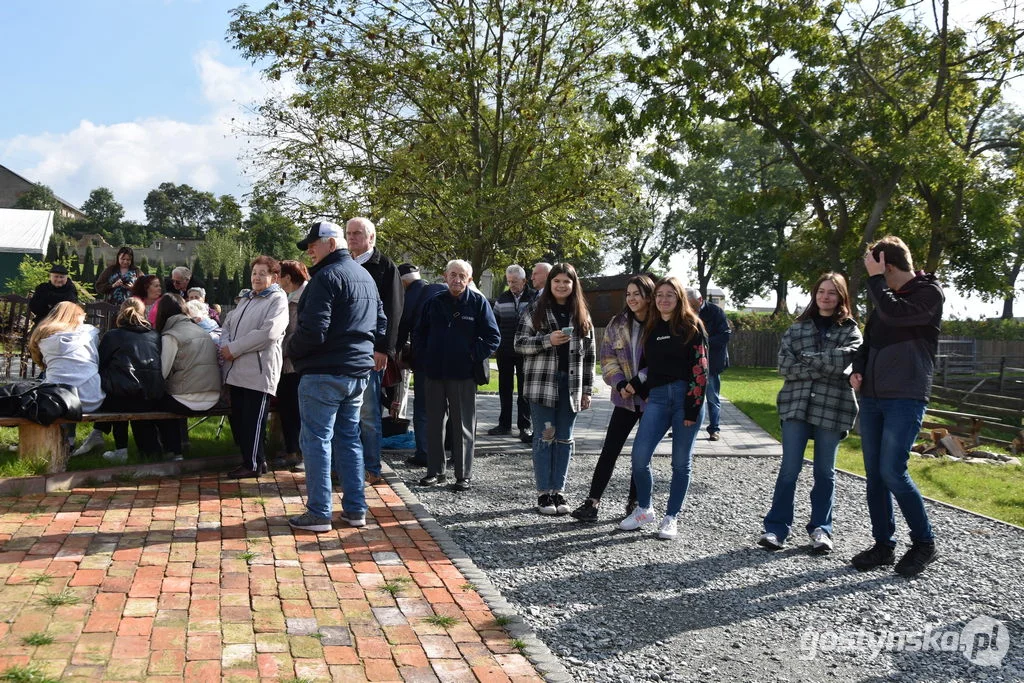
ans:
x=94 y=440
x=640 y=517
x=120 y=456
x=770 y=541
x=667 y=529
x=821 y=541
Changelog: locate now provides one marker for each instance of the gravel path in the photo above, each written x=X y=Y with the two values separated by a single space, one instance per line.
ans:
x=711 y=605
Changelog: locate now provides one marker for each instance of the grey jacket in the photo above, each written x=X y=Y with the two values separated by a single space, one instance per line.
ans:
x=195 y=364
x=252 y=332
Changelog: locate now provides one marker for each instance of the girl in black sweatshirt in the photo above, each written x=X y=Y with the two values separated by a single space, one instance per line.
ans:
x=673 y=377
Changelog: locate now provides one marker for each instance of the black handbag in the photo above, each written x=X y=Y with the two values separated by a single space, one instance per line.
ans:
x=41 y=402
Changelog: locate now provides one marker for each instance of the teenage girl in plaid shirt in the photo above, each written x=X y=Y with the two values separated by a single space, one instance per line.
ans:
x=816 y=402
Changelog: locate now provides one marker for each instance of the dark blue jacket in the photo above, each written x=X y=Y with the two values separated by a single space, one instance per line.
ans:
x=339 y=318
x=507 y=313
x=718 y=330
x=453 y=334
x=416 y=295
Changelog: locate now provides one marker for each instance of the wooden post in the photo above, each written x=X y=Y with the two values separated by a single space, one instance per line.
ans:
x=1002 y=373
x=48 y=443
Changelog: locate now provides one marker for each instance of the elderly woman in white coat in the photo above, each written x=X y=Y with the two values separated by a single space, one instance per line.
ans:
x=251 y=348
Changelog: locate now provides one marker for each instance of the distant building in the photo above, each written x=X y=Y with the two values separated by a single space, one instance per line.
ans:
x=12 y=186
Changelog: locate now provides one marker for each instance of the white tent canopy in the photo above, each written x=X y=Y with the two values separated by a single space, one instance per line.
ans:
x=25 y=232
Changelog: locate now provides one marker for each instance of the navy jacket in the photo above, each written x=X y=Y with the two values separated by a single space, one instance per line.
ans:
x=901 y=338
x=338 y=320
x=453 y=334
x=718 y=331
x=416 y=296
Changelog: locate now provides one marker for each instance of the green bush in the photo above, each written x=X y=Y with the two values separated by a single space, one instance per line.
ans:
x=992 y=328
x=760 y=321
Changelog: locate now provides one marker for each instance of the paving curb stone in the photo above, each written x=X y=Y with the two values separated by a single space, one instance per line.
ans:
x=539 y=654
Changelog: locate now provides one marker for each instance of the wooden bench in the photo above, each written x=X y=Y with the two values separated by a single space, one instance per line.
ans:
x=48 y=443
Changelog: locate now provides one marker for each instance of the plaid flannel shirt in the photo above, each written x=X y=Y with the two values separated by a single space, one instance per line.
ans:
x=817 y=388
x=540 y=361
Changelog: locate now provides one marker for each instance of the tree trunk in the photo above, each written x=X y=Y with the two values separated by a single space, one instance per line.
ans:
x=1008 y=301
x=781 y=290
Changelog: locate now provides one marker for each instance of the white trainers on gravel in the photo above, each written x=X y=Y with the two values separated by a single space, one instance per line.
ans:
x=639 y=518
x=119 y=457
x=94 y=440
x=770 y=542
x=821 y=541
x=667 y=529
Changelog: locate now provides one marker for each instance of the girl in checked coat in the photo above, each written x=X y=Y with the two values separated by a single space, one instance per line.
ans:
x=556 y=337
x=816 y=402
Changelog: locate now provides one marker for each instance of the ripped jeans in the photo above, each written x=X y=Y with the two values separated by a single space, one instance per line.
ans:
x=552 y=439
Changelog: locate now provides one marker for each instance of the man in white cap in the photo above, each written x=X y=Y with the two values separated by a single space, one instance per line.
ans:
x=339 y=320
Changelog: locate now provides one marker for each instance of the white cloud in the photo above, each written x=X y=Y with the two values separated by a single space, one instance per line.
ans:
x=132 y=158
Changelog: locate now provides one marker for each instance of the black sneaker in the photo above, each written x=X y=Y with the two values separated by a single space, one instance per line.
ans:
x=433 y=480
x=630 y=506
x=875 y=556
x=561 y=507
x=462 y=485
x=586 y=512
x=546 y=504
x=916 y=559
x=499 y=431
x=526 y=436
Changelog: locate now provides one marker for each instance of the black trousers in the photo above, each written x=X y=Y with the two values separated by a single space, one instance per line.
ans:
x=147 y=437
x=288 y=410
x=173 y=432
x=510 y=376
x=619 y=427
x=249 y=424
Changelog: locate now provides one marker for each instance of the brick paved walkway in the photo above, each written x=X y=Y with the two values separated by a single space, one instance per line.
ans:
x=201 y=579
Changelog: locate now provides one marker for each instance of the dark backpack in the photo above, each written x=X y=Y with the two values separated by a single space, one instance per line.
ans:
x=41 y=402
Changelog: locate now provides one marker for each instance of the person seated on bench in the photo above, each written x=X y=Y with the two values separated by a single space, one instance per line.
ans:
x=199 y=312
x=148 y=290
x=188 y=360
x=132 y=380
x=66 y=347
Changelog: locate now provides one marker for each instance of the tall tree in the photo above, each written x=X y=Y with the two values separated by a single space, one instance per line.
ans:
x=270 y=231
x=41 y=198
x=179 y=210
x=858 y=95
x=227 y=215
x=476 y=139
x=88 y=267
x=103 y=213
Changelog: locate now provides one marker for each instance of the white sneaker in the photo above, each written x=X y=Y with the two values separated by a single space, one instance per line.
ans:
x=667 y=529
x=94 y=440
x=770 y=542
x=120 y=456
x=640 y=517
x=821 y=541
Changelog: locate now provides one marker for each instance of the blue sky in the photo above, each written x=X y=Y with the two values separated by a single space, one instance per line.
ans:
x=124 y=94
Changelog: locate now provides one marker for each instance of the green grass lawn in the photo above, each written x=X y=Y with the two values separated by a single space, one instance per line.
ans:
x=205 y=444
x=993 y=490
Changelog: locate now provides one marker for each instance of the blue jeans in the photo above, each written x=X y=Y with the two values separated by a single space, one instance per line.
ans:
x=888 y=428
x=369 y=423
x=329 y=407
x=665 y=409
x=551 y=455
x=795 y=434
x=419 y=415
x=713 y=401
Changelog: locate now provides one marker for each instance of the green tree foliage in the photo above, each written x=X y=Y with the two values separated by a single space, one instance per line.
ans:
x=865 y=99
x=88 y=274
x=133 y=234
x=179 y=211
x=270 y=231
x=51 y=249
x=160 y=269
x=227 y=215
x=224 y=284
x=231 y=248
x=144 y=265
x=103 y=213
x=477 y=138
x=197 y=271
x=100 y=265
x=41 y=198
